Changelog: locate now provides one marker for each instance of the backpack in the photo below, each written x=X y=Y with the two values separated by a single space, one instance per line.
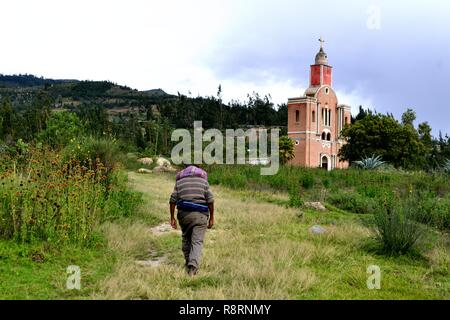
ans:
x=192 y=171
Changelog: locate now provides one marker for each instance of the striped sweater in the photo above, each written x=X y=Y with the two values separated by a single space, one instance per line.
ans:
x=193 y=189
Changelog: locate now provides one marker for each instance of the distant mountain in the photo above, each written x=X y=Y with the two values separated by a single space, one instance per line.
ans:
x=28 y=80
x=156 y=93
x=84 y=87
x=69 y=94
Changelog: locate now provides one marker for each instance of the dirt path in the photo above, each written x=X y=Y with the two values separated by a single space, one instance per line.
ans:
x=237 y=258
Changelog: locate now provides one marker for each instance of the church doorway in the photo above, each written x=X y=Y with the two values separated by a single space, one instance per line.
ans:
x=324 y=162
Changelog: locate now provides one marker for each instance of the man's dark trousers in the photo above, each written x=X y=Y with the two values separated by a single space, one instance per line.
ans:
x=193 y=225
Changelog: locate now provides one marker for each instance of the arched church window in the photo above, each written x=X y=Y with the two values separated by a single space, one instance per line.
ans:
x=323 y=136
x=329 y=136
x=297 y=115
x=313 y=115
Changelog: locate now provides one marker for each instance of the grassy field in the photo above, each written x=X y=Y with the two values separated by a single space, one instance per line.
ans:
x=259 y=249
x=352 y=190
x=39 y=272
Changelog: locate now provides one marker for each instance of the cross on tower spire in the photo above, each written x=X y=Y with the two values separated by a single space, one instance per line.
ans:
x=321 y=42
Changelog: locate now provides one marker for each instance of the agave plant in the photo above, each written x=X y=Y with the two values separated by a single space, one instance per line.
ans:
x=446 y=166
x=370 y=163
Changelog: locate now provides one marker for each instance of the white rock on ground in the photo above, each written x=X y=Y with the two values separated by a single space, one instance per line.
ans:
x=146 y=161
x=317 y=229
x=151 y=263
x=143 y=170
x=153 y=260
x=316 y=206
x=164 y=169
x=163 y=228
x=163 y=162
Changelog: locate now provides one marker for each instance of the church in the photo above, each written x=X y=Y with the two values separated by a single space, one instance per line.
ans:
x=315 y=120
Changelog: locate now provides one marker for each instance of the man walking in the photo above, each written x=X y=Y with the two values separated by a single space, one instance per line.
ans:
x=195 y=203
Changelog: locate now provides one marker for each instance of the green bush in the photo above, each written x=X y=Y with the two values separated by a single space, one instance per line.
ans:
x=46 y=198
x=61 y=128
x=286 y=146
x=446 y=166
x=352 y=202
x=295 y=199
x=326 y=183
x=432 y=210
x=395 y=228
x=307 y=180
x=120 y=201
x=371 y=191
x=89 y=151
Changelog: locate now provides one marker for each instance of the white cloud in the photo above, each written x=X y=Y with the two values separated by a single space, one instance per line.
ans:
x=196 y=45
x=203 y=82
x=139 y=43
x=354 y=99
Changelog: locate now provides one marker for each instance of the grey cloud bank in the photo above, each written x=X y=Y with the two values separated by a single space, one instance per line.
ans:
x=403 y=64
x=262 y=45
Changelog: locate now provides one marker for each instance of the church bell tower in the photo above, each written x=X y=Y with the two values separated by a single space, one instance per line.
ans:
x=320 y=71
x=315 y=120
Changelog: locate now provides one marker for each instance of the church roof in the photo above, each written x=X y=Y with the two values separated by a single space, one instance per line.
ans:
x=311 y=91
x=321 y=57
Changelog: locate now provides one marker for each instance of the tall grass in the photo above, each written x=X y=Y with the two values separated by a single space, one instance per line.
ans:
x=396 y=229
x=46 y=197
x=353 y=190
x=90 y=150
x=260 y=250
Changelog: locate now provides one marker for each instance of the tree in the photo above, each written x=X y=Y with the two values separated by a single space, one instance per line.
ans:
x=282 y=114
x=382 y=135
x=408 y=117
x=61 y=127
x=361 y=114
x=286 y=147
x=219 y=99
x=426 y=138
x=440 y=152
x=6 y=118
x=94 y=118
x=36 y=115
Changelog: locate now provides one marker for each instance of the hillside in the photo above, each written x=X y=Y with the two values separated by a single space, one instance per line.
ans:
x=28 y=80
x=66 y=94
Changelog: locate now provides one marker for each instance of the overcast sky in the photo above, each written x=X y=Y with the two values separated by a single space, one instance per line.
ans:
x=387 y=55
